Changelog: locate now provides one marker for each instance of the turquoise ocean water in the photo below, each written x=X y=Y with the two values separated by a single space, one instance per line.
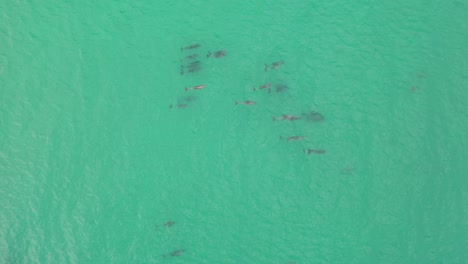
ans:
x=95 y=167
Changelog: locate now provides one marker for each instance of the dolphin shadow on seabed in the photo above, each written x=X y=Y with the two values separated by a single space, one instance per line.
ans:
x=174 y=253
x=313 y=116
x=279 y=88
x=188 y=98
x=167 y=224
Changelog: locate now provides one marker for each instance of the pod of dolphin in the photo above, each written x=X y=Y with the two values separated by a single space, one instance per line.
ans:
x=190 y=64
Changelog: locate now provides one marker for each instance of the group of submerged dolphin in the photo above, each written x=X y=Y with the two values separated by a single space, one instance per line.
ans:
x=176 y=252
x=179 y=252
x=190 y=64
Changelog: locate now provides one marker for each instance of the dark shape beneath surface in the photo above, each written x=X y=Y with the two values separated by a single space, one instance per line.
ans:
x=246 y=102
x=169 y=223
x=190 y=70
x=313 y=116
x=191 y=56
x=279 y=88
x=178 y=252
x=188 y=98
x=178 y=106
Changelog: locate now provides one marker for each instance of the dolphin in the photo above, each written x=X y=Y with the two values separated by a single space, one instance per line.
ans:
x=315 y=151
x=196 y=87
x=190 y=70
x=294 y=138
x=178 y=105
x=191 y=57
x=189 y=47
x=273 y=66
x=246 y=102
x=286 y=117
x=217 y=54
x=190 y=66
x=265 y=86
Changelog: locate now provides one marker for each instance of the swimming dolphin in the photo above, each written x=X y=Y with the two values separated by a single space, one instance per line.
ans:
x=217 y=54
x=190 y=66
x=194 y=69
x=178 y=105
x=286 y=117
x=190 y=57
x=196 y=87
x=167 y=224
x=315 y=151
x=274 y=65
x=191 y=69
x=194 y=62
x=246 y=102
x=193 y=46
x=294 y=138
x=265 y=86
